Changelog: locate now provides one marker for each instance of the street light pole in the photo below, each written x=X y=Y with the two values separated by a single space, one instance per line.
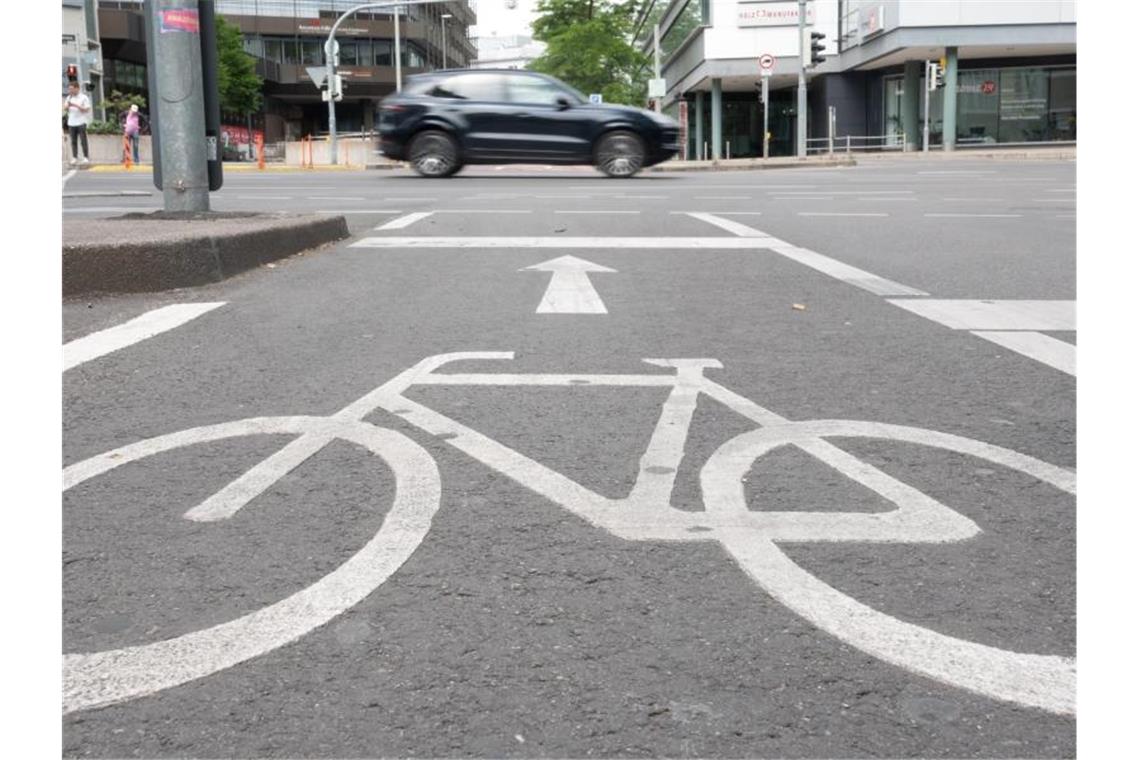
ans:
x=399 y=78
x=657 y=62
x=801 y=92
x=443 y=32
x=330 y=59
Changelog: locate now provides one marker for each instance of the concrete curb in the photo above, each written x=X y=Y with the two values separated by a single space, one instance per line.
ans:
x=141 y=253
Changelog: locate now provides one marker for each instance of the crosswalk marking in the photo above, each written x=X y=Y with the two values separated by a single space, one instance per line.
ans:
x=401 y=222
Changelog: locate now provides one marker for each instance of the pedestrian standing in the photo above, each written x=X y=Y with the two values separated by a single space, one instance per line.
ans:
x=78 y=108
x=131 y=130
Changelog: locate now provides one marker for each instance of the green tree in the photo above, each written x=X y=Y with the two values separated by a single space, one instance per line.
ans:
x=118 y=103
x=239 y=86
x=588 y=47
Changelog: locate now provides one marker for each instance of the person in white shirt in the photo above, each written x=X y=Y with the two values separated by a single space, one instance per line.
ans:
x=78 y=108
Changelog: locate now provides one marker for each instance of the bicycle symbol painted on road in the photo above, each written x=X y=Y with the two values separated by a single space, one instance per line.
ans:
x=751 y=538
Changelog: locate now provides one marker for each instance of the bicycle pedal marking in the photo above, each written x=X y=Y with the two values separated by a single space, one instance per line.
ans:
x=1042 y=681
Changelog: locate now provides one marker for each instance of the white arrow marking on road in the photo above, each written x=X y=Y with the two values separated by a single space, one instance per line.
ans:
x=570 y=290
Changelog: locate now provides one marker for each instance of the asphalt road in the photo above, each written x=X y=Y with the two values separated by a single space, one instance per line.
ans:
x=527 y=620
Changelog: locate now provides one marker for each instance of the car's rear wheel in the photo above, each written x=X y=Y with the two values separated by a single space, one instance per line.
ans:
x=619 y=154
x=434 y=154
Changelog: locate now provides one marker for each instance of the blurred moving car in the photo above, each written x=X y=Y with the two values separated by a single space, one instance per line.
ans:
x=446 y=119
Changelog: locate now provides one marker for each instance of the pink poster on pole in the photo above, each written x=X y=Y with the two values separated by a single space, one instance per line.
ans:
x=178 y=20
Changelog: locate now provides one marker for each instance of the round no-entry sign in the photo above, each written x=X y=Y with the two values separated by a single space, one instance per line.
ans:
x=767 y=62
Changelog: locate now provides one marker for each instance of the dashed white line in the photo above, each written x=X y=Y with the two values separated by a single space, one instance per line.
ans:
x=841 y=213
x=358 y=211
x=722 y=197
x=265 y=197
x=335 y=198
x=483 y=211
x=401 y=222
x=974 y=216
x=142 y=327
x=597 y=211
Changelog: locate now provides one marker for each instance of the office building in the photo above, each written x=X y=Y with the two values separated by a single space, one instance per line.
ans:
x=1010 y=71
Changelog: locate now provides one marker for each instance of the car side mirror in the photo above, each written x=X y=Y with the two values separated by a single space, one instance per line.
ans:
x=563 y=103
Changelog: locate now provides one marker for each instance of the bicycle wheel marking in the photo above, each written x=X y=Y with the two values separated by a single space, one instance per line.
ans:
x=1043 y=681
x=101 y=678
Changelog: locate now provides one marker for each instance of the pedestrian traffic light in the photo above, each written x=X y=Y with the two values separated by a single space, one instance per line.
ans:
x=939 y=77
x=817 y=48
x=72 y=72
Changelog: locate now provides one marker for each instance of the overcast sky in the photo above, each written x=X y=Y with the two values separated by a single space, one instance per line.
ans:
x=495 y=17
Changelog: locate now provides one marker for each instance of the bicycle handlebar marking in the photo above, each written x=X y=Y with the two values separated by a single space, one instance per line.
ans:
x=1043 y=681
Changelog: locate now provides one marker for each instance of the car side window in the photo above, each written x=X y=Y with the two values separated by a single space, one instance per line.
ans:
x=534 y=90
x=482 y=87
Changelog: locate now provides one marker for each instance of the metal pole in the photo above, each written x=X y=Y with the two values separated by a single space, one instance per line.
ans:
x=399 y=78
x=182 y=112
x=443 y=33
x=764 y=94
x=830 y=129
x=926 y=113
x=801 y=92
x=657 y=62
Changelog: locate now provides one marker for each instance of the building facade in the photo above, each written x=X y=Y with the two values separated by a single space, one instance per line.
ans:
x=509 y=51
x=286 y=39
x=81 y=50
x=1010 y=71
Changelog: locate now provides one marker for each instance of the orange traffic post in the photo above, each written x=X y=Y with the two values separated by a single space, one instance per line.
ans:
x=260 y=151
x=126 y=151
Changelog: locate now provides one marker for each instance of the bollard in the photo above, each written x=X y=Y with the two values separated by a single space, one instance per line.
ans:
x=126 y=152
x=260 y=152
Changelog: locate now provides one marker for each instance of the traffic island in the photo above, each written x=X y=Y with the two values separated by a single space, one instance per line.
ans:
x=140 y=253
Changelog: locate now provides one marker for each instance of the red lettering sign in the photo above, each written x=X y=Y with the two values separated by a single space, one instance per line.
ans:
x=989 y=87
x=178 y=20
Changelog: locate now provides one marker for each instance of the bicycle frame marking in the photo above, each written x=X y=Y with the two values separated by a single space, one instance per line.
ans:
x=1042 y=681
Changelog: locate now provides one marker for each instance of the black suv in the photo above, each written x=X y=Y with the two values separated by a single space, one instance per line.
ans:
x=446 y=119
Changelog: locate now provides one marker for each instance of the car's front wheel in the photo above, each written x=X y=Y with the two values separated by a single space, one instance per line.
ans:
x=434 y=154
x=619 y=154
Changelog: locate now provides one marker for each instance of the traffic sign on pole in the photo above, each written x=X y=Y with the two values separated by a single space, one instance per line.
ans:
x=767 y=63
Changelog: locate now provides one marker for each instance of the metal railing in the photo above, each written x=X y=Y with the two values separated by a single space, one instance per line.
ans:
x=895 y=141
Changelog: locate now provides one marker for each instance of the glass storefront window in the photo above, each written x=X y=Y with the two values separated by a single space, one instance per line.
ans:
x=1024 y=103
x=273 y=51
x=1007 y=105
x=893 y=103
x=978 y=99
x=1062 y=117
x=348 y=52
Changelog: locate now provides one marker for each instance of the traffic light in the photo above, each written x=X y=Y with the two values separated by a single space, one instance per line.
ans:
x=939 y=76
x=817 y=48
x=72 y=72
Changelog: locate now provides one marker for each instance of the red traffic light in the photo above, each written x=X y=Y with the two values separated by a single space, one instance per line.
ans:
x=72 y=71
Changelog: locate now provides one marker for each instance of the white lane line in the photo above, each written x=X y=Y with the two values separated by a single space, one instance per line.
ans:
x=1043 y=348
x=598 y=211
x=817 y=261
x=141 y=327
x=722 y=197
x=721 y=213
x=960 y=171
x=265 y=197
x=973 y=216
x=644 y=197
x=69 y=175
x=801 y=198
x=841 y=213
x=848 y=192
x=736 y=228
x=358 y=211
x=483 y=211
x=335 y=198
x=400 y=200
x=979 y=200
x=1053 y=200
x=401 y=222
x=1063 y=190
x=566 y=242
x=966 y=314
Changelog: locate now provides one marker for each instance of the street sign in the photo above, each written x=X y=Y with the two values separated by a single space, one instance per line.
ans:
x=317 y=74
x=656 y=88
x=767 y=63
x=596 y=98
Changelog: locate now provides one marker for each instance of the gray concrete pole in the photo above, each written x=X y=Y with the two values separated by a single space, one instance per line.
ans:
x=950 y=101
x=182 y=116
x=764 y=97
x=912 y=71
x=399 y=78
x=926 y=112
x=443 y=33
x=801 y=91
x=330 y=77
x=716 y=114
x=700 y=130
